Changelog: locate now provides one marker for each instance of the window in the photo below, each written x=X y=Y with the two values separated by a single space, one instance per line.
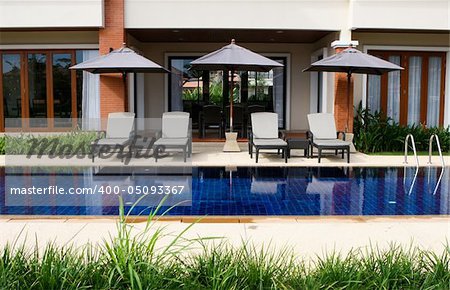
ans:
x=39 y=87
x=189 y=89
x=11 y=79
x=412 y=96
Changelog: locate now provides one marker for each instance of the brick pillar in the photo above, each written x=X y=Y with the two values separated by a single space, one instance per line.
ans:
x=343 y=105
x=112 y=88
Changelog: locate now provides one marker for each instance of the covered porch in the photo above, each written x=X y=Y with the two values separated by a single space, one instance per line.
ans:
x=286 y=91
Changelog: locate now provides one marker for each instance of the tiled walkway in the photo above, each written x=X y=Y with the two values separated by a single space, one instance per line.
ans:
x=308 y=236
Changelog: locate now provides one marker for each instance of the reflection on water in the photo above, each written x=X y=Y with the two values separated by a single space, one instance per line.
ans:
x=236 y=191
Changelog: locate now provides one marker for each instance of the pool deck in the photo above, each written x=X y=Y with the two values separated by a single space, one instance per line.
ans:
x=210 y=154
x=309 y=236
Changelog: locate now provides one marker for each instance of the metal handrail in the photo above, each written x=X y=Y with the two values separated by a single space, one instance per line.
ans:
x=413 y=143
x=430 y=149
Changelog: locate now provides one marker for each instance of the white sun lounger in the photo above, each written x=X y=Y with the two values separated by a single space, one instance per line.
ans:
x=324 y=136
x=265 y=134
x=119 y=133
x=175 y=133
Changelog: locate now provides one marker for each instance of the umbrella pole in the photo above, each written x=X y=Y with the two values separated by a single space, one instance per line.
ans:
x=125 y=90
x=349 y=102
x=231 y=144
x=231 y=100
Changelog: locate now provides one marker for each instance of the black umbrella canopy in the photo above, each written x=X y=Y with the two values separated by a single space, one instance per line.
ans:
x=233 y=57
x=122 y=60
x=352 y=61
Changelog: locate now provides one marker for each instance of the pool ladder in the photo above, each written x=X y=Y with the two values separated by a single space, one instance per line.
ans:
x=413 y=145
x=433 y=137
x=430 y=149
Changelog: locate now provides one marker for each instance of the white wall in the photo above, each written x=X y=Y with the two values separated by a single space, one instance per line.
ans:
x=400 y=14
x=293 y=14
x=51 y=13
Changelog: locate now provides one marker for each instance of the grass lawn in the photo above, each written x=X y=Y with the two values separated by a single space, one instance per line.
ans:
x=420 y=153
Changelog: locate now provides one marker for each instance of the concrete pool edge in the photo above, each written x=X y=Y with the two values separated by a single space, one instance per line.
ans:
x=241 y=159
x=227 y=219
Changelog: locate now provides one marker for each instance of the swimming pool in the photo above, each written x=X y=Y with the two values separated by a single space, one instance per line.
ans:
x=241 y=191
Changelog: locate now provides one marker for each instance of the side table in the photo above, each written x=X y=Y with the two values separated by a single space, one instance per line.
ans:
x=297 y=140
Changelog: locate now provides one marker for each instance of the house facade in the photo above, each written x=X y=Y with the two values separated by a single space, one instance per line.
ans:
x=40 y=40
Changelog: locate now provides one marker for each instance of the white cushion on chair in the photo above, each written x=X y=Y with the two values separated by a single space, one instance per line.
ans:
x=175 y=125
x=120 y=125
x=264 y=125
x=322 y=125
x=269 y=142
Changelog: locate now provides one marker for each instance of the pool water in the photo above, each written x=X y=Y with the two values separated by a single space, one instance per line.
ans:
x=241 y=191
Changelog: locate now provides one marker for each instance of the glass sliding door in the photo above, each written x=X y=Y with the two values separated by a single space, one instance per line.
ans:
x=38 y=86
x=190 y=90
x=414 y=87
x=374 y=93
x=414 y=95
x=278 y=92
x=37 y=89
x=62 y=89
x=12 y=97
x=434 y=91
x=393 y=91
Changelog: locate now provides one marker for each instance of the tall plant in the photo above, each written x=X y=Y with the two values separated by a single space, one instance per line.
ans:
x=374 y=132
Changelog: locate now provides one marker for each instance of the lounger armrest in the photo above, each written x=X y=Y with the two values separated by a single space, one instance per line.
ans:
x=340 y=132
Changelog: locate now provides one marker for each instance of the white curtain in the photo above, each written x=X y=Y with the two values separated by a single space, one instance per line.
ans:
x=393 y=97
x=434 y=88
x=90 y=110
x=374 y=93
x=278 y=81
x=415 y=77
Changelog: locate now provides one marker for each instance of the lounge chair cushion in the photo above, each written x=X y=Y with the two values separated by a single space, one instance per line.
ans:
x=322 y=125
x=177 y=142
x=269 y=142
x=264 y=125
x=113 y=141
x=175 y=125
x=120 y=125
x=330 y=143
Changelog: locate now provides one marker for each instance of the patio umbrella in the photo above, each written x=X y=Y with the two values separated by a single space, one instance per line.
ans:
x=234 y=58
x=351 y=61
x=123 y=60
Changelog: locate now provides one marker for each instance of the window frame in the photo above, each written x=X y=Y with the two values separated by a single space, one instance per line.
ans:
x=24 y=92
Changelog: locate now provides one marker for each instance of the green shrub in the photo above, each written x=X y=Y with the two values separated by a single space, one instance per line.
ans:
x=376 y=133
x=137 y=259
x=2 y=145
x=64 y=143
x=129 y=264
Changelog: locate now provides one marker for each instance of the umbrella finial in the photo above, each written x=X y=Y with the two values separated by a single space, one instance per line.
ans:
x=233 y=41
